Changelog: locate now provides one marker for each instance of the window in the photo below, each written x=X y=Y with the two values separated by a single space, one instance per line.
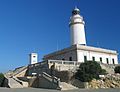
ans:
x=34 y=56
x=101 y=59
x=113 y=61
x=107 y=60
x=70 y=63
x=93 y=58
x=63 y=59
x=85 y=58
x=70 y=58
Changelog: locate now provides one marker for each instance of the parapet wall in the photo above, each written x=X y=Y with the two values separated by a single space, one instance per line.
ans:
x=60 y=65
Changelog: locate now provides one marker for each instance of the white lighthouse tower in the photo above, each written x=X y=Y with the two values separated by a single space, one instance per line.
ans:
x=77 y=28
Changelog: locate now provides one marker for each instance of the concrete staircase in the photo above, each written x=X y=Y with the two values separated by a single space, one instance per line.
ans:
x=13 y=83
x=17 y=72
x=11 y=78
x=20 y=72
x=24 y=84
x=61 y=85
x=47 y=81
x=66 y=86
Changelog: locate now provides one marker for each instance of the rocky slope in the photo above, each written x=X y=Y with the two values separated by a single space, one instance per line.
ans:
x=109 y=81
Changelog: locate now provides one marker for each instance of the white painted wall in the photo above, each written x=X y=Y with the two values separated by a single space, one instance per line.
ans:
x=77 y=30
x=97 y=55
x=33 y=58
x=77 y=52
x=64 y=56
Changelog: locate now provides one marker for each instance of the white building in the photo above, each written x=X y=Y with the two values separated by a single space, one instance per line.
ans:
x=33 y=58
x=79 y=51
x=82 y=53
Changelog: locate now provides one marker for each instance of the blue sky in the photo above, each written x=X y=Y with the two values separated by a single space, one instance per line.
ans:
x=42 y=26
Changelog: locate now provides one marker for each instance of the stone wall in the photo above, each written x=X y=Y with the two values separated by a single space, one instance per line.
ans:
x=38 y=68
x=65 y=76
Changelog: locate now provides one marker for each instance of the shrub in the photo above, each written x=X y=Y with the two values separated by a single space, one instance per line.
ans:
x=1 y=76
x=103 y=72
x=117 y=69
x=89 y=70
x=1 y=79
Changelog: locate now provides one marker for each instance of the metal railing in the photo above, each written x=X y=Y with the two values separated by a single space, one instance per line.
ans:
x=64 y=62
x=52 y=79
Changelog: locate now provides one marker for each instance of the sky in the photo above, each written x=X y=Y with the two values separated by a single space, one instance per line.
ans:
x=42 y=26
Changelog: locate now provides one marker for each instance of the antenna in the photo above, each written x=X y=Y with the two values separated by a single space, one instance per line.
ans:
x=57 y=46
x=75 y=6
x=76 y=3
x=98 y=44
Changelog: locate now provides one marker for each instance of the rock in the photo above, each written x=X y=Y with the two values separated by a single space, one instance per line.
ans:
x=110 y=81
x=112 y=86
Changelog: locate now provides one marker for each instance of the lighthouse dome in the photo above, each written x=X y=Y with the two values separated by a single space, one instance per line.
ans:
x=75 y=11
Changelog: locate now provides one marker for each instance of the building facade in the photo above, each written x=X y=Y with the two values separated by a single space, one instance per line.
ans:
x=82 y=53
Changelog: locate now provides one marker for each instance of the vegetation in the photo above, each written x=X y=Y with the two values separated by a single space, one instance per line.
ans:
x=1 y=79
x=117 y=69
x=89 y=70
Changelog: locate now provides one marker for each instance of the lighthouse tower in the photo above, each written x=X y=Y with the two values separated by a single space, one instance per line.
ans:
x=77 y=28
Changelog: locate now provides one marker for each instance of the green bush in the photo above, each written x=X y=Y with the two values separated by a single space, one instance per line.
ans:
x=89 y=70
x=1 y=79
x=103 y=72
x=117 y=69
x=1 y=76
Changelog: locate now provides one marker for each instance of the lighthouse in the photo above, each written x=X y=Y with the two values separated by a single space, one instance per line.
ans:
x=79 y=51
x=77 y=28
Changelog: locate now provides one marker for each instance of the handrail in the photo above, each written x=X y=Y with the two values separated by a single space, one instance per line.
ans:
x=20 y=71
x=64 y=62
x=51 y=78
